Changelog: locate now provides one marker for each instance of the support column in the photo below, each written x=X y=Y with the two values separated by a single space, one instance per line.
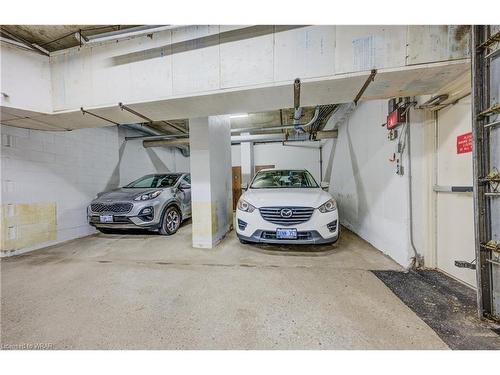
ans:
x=247 y=167
x=211 y=179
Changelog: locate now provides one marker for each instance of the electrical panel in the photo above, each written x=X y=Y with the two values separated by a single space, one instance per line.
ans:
x=397 y=112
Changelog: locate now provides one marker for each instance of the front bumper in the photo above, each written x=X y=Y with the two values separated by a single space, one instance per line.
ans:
x=314 y=231
x=131 y=219
x=313 y=238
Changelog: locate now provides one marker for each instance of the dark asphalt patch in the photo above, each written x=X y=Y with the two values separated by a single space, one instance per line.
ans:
x=447 y=306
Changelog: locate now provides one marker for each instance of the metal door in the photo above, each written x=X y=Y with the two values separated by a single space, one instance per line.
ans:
x=455 y=214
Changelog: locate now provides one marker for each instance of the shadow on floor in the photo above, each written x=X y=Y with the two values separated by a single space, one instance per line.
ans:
x=446 y=305
x=137 y=232
x=294 y=250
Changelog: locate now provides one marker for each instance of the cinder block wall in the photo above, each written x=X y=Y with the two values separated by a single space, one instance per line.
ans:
x=48 y=179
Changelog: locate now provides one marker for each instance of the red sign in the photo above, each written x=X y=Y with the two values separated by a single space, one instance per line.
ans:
x=392 y=119
x=464 y=143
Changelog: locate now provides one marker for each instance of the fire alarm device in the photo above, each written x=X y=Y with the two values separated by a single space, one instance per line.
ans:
x=397 y=115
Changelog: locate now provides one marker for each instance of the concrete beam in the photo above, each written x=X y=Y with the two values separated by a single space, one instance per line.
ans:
x=245 y=69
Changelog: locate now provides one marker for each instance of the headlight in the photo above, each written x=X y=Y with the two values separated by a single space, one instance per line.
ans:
x=328 y=206
x=245 y=206
x=148 y=196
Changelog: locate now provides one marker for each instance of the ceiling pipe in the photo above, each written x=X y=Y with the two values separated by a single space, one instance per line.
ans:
x=153 y=133
x=434 y=101
x=315 y=145
x=17 y=44
x=156 y=137
x=128 y=33
x=166 y=142
x=257 y=138
x=281 y=127
x=143 y=129
x=85 y=112
x=297 y=114
x=296 y=93
x=123 y=107
x=33 y=46
x=235 y=139
x=370 y=79
x=176 y=127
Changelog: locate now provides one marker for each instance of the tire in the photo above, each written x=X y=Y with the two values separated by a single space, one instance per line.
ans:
x=171 y=221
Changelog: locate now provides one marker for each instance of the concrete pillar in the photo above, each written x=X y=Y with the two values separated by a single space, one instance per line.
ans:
x=211 y=179
x=247 y=166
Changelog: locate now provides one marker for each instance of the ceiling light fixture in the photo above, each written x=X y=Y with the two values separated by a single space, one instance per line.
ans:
x=240 y=115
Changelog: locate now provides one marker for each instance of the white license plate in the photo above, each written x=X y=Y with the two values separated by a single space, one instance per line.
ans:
x=286 y=234
x=106 y=218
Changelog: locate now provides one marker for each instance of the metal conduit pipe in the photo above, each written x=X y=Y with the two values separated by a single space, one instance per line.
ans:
x=144 y=129
x=296 y=93
x=235 y=139
x=418 y=262
x=183 y=147
x=130 y=32
x=166 y=142
x=280 y=127
x=157 y=137
x=297 y=114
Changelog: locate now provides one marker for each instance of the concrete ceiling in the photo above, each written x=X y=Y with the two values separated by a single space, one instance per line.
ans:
x=57 y=37
x=425 y=79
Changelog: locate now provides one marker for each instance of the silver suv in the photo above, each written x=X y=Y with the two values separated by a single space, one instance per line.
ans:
x=155 y=202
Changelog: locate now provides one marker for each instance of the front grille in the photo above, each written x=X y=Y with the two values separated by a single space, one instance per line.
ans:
x=111 y=207
x=274 y=215
x=268 y=235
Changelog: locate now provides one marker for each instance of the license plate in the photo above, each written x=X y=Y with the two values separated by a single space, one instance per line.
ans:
x=106 y=218
x=286 y=234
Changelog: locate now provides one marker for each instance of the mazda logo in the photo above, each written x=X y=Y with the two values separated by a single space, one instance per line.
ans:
x=286 y=212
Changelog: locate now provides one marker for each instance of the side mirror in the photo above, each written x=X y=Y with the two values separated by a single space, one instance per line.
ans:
x=244 y=186
x=325 y=185
x=184 y=186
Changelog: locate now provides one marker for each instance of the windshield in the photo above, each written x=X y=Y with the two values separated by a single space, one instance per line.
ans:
x=154 y=181
x=283 y=179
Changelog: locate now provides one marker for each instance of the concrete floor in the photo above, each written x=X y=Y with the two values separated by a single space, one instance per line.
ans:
x=145 y=291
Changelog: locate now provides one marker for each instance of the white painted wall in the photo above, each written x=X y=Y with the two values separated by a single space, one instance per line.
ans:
x=372 y=199
x=282 y=157
x=137 y=161
x=70 y=168
x=25 y=78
